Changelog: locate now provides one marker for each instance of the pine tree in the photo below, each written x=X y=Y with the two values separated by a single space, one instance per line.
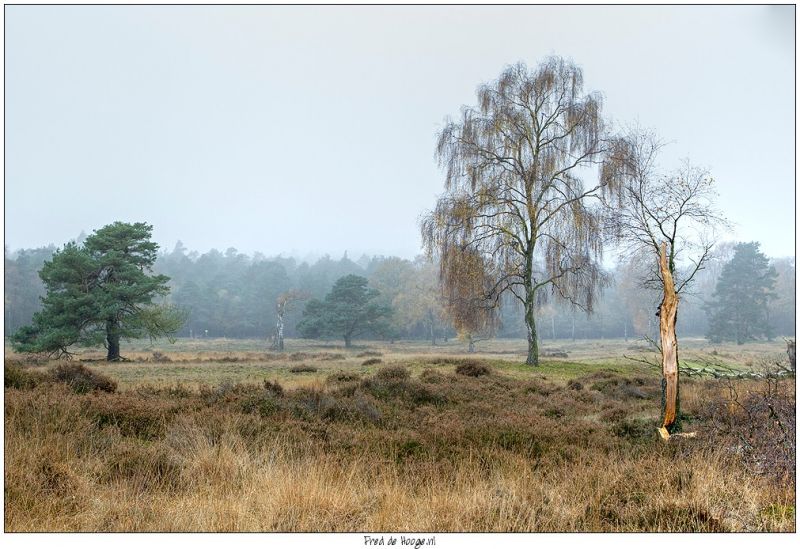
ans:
x=739 y=311
x=350 y=309
x=100 y=292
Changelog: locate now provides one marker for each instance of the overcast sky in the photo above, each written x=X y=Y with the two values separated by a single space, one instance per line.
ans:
x=311 y=129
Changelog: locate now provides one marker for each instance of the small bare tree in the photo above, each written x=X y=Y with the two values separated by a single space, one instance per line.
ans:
x=514 y=192
x=670 y=217
x=282 y=304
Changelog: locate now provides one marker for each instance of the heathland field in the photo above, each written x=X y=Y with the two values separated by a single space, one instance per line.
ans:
x=225 y=435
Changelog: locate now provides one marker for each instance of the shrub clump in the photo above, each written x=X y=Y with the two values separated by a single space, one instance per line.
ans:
x=331 y=356
x=392 y=373
x=473 y=368
x=273 y=388
x=429 y=375
x=371 y=361
x=332 y=408
x=368 y=353
x=144 y=418
x=394 y=382
x=83 y=380
x=302 y=368
x=634 y=429
x=343 y=377
x=15 y=377
x=575 y=385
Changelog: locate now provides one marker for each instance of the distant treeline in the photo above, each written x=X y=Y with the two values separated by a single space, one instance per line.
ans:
x=230 y=294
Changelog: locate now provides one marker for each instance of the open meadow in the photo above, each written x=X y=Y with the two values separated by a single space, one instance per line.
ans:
x=225 y=435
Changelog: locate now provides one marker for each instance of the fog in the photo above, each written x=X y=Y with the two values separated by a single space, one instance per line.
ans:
x=310 y=130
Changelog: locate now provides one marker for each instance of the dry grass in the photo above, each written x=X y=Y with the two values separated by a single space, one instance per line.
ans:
x=404 y=446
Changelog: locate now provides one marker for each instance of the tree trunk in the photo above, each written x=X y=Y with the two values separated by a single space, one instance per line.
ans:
x=433 y=335
x=471 y=348
x=277 y=345
x=668 y=314
x=530 y=324
x=112 y=337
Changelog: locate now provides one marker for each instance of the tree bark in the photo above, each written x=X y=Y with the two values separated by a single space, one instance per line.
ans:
x=530 y=323
x=277 y=345
x=668 y=314
x=112 y=337
x=471 y=348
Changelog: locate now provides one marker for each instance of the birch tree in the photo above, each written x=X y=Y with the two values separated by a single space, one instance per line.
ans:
x=671 y=218
x=282 y=304
x=515 y=193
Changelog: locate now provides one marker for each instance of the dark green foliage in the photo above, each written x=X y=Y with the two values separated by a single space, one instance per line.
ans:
x=83 y=380
x=349 y=310
x=23 y=287
x=739 y=310
x=99 y=293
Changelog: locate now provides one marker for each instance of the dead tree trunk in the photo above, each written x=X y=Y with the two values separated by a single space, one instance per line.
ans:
x=277 y=342
x=668 y=314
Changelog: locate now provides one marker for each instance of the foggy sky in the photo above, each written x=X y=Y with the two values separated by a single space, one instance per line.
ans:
x=296 y=130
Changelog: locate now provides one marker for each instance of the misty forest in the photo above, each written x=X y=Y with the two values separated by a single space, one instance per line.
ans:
x=579 y=346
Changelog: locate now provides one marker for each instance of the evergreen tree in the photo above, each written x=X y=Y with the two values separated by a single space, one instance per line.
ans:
x=100 y=292
x=350 y=309
x=739 y=311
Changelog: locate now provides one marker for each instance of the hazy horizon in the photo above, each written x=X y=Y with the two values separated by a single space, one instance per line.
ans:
x=311 y=129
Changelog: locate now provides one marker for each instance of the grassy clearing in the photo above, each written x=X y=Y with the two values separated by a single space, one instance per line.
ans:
x=197 y=362
x=237 y=441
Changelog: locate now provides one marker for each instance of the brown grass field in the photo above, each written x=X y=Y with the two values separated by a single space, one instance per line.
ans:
x=224 y=435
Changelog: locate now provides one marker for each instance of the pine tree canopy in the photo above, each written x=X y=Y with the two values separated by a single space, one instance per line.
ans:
x=739 y=310
x=100 y=292
x=350 y=309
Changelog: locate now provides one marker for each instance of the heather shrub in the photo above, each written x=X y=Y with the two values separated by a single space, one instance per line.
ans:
x=302 y=368
x=392 y=373
x=430 y=375
x=472 y=368
x=83 y=380
x=343 y=377
x=574 y=385
x=16 y=377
